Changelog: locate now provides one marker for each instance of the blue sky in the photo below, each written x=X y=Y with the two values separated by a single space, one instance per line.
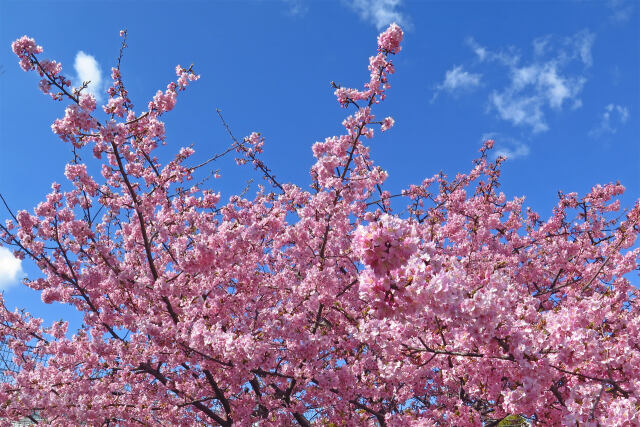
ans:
x=556 y=84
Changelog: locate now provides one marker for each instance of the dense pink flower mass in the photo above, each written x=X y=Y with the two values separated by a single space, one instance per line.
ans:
x=319 y=306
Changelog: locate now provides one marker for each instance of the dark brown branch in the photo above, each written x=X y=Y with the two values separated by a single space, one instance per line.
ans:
x=219 y=394
x=301 y=419
x=614 y=384
x=379 y=415
x=318 y=318
x=145 y=367
x=256 y=162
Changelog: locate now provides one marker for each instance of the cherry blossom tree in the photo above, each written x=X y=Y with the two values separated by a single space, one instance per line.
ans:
x=313 y=305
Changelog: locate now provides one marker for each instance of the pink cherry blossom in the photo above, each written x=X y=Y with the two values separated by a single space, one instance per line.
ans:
x=390 y=39
x=387 y=124
x=312 y=305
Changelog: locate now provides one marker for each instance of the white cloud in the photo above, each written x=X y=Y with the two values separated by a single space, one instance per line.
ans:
x=557 y=88
x=456 y=78
x=548 y=81
x=565 y=50
x=518 y=150
x=531 y=89
x=507 y=57
x=520 y=110
x=480 y=51
x=88 y=69
x=579 y=46
x=552 y=79
x=380 y=13
x=585 y=44
x=612 y=117
x=524 y=76
x=541 y=45
x=506 y=146
x=296 y=7
x=621 y=10
x=10 y=268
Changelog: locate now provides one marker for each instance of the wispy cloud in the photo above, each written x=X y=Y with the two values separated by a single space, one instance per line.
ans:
x=296 y=7
x=552 y=79
x=456 y=80
x=506 y=146
x=520 y=110
x=581 y=44
x=621 y=10
x=610 y=120
x=506 y=56
x=380 y=13
x=575 y=48
x=532 y=88
x=88 y=69
x=480 y=51
x=10 y=269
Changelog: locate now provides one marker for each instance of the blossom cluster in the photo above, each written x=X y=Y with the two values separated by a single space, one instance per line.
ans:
x=385 y=244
